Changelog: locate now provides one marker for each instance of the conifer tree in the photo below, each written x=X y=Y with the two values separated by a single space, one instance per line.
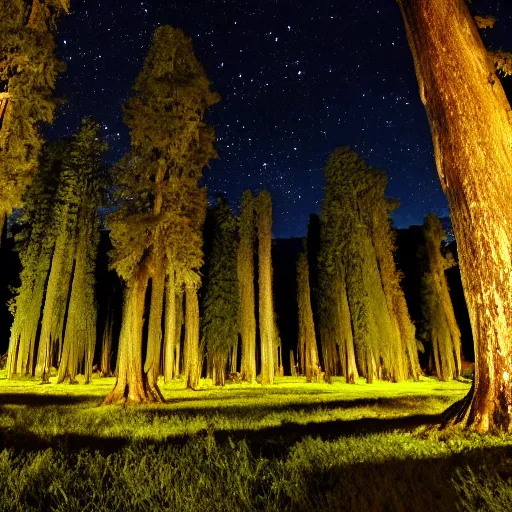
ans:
x=268 y=338
x=28 y=70
x=220 y=289
x=307 y=347
x=57 y=285
x=440 y=328
x=157 y=232
x=245 y=266
x=474 y=162
x=35 y=244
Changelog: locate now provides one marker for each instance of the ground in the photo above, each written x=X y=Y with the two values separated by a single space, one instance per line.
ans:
x=289 y=446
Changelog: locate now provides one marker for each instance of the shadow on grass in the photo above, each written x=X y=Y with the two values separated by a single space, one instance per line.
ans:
x=40 y=400
x=272 y=442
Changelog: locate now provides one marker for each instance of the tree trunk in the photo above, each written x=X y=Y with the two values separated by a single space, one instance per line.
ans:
x=106 y=346
x=152 y=364
x=170 y=327
x=191 y=350
x=266 y=309
x=472 y=133
x=131 y=383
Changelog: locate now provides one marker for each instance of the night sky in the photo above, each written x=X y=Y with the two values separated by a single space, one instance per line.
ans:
x=297 y=79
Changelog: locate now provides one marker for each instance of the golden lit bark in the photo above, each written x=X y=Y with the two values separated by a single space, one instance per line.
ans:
x=131 y=383
x=191 y=349
x=170 y=326
x=469 y=118
x=266 y=309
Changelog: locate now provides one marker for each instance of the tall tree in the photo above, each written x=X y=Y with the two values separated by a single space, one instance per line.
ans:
x=157 y=232
x=469 y=117
x=220 y=289
x=440 y=328
x=245 y=266
x=57 y=285
x=80 y=328
x=28 y=70
x=268 y=333
x=307 y=348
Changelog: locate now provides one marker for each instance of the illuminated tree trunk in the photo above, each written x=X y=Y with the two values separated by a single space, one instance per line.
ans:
x=346 y=341
x=106 y=346
x=266 y=309
x=170 y=339
x=152 y=364
x=246 y=286
x=191 y=349
x=54 y=303
x=131 y=383
x=178 y=364
x=307 y=349
x=472 y=133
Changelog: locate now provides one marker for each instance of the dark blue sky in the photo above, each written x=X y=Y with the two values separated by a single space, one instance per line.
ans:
x=297 y=78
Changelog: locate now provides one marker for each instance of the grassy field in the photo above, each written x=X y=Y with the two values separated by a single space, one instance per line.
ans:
x=290 y=446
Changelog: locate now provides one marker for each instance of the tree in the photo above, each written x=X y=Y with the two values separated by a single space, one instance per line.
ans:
x=157 y=232
x=307 y=348
x=268 y=338
x=472 y=134
x=28 y=71
x=59 y=261
x=439 y=324
x=245 y=267
x=220 y=289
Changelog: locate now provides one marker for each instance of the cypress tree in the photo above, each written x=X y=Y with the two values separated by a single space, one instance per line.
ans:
x=157 y=232
x=220 y=290
x=28 y=71
x=245 y=267
x=268 y=332
x=307 y=347
x=440 y=329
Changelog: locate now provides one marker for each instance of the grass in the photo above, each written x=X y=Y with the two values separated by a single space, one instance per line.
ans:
x=290 y=446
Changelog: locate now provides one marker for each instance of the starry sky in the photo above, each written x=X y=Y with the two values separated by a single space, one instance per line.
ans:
x=297 y=79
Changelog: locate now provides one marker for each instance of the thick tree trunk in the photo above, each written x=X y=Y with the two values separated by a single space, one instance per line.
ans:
x=471 y=127
x=131 y=384
x=152 y=364
x=346 y=342
x=106 y=346
x=191 y=350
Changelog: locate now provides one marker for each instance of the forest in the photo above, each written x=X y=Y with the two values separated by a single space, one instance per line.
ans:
x=161 y=350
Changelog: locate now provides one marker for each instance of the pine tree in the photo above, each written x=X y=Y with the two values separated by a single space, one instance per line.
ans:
x=268 y=333
x=440 y=328
x=472 y=148
x=28 y=71
x=307 y=347
x=57 y=285
x=245 y=266
x=157 y=232
x=35 y=244
x=220 y=289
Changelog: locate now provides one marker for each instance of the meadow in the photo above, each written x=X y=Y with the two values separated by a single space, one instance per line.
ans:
x=289 y=446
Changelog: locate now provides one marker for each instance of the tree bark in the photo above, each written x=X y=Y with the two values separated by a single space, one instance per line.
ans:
x=191 y=350
x=131 y=383
x=469 y=118
x=170 y=326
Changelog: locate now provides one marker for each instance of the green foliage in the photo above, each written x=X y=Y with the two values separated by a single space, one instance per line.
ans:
x=220 y=290
x=28 y=71
x=61 y=229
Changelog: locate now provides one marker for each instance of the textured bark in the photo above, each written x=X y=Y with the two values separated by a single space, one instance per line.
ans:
x=246 y=287
x=191 y=349
x=131 y=383
x=152 y=363
x=266 y=309
x=307 y=348
x=170 y=327
x=469 y=118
